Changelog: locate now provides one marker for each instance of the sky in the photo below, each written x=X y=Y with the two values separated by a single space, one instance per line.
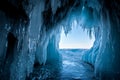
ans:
x=76 y=38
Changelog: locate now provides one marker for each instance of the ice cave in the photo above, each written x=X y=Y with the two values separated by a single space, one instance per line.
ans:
x=30 y=33
x=77 y=38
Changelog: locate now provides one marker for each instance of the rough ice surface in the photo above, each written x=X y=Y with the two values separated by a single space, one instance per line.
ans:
x=30 y=34
x=73 y=67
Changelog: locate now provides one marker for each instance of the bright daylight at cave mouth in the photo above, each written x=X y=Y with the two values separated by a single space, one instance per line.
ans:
x=59 y=39
x=72 y=46
x=77 y=38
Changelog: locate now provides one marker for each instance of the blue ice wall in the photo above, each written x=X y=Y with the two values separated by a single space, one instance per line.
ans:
x=33 y=28
x=104 y=55
x=24 y=21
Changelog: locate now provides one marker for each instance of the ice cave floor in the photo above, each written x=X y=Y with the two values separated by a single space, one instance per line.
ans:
x=72 y=68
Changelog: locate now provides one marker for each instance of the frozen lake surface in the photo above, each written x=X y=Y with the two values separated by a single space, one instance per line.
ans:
x=72 y=68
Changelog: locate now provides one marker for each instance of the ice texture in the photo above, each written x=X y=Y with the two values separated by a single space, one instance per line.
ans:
x=30 y=33
x=104 y=54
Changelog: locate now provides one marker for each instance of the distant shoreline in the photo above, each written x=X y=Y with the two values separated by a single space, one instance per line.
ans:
x=73 y=49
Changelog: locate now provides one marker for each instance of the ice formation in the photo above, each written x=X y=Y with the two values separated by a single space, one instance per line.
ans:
x=30 y=33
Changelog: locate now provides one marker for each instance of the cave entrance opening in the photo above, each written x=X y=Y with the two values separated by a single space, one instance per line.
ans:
x=77 y=38
x=72 y=47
